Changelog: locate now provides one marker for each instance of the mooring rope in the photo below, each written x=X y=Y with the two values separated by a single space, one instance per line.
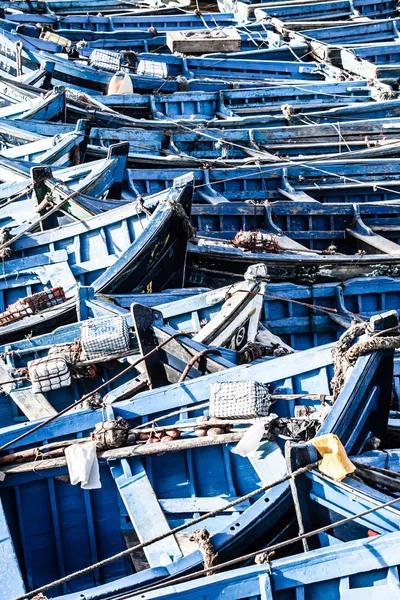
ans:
x=173 y=531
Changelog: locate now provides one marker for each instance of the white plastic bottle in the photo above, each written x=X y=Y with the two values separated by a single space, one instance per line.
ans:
x=120 y=83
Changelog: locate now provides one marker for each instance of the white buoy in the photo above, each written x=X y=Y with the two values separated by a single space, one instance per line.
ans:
x=120 y=83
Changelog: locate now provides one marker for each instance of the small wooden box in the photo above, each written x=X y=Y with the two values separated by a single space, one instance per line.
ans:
x=204 y=42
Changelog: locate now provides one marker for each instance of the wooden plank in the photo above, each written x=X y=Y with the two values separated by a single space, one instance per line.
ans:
x=269 y=462
x=200 y=505
x=200 y=42
x=376 y=242
x=144 y=511
x=11 y=581
x=127 y=389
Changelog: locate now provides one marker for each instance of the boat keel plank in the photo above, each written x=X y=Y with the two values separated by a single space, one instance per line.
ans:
x=144 y=510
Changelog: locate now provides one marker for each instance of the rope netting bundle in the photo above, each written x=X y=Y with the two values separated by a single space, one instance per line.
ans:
x=181 y=214
x=373 y=338
x=111 y=434
x=256 y=241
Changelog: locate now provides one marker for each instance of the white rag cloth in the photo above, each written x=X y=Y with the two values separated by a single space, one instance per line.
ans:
x=247 y=446
x=83 y=466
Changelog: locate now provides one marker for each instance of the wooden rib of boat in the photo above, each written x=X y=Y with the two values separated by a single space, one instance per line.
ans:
x=129 y=477
x=336 y=181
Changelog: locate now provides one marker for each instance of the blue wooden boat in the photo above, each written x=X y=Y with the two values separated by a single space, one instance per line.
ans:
x=234 y=108
x=254 y=44
x=19 y=210
x=357 y=558
x=236 y=147
x=135 y=253
x=207 y=74
x=128 y=24
x=371 y=563
x=313 y=10
x=233 y=145
x=197 y=68
x=84 y=305
x=51 y=107
x=75 y=7
x=325 y=181
x=303 y=240
x=253 y=47
x=58 y=151
x=231 y=325
x=123 y=249
x=232 y=533
x=338 y=33
x=26 y=402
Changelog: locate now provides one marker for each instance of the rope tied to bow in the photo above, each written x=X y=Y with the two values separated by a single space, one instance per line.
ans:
x=345 y=353
x=210 y=557
x=5 y=236
x=287 y=111
x=181 y=214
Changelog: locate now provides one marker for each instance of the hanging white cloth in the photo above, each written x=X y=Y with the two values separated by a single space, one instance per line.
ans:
x=251 y=440
x=83 y=466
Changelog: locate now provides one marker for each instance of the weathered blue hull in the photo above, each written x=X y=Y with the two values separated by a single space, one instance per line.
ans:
x=313 y=241
x=371 y=563
x=354 y=181
x=309 y=372
x=207 y=74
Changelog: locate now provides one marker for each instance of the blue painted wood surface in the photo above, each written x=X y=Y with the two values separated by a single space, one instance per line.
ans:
x=172 y=476
x=355 y=570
